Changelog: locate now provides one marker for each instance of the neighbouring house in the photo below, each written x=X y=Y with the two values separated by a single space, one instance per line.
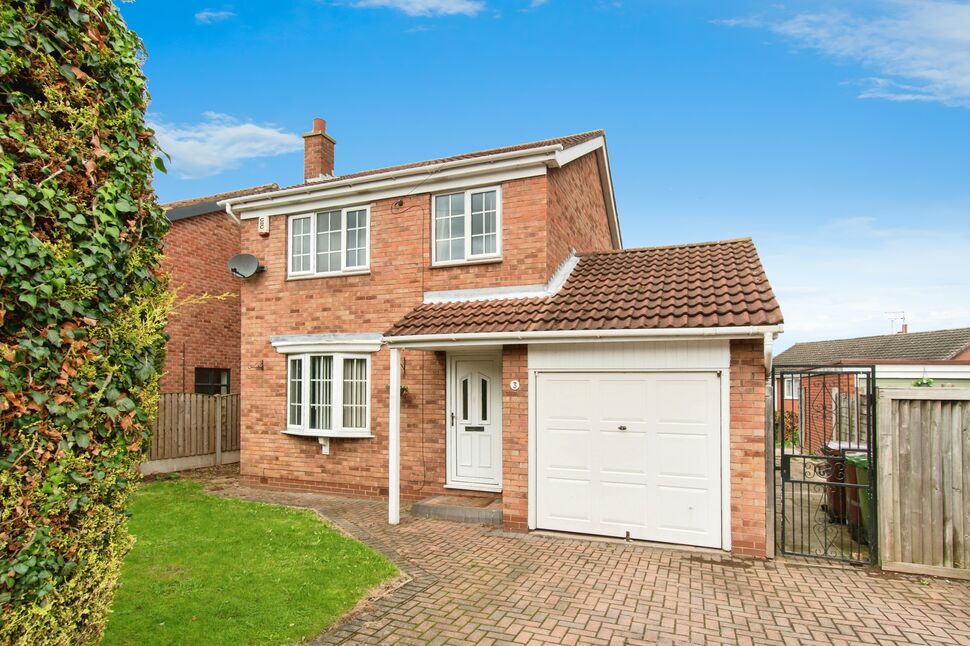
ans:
x=901 y=359
x=202 y=353
x=472 y=326
x=822 y=380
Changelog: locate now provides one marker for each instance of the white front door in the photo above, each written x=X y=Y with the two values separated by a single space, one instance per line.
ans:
x=475 y=424
x=630 y=454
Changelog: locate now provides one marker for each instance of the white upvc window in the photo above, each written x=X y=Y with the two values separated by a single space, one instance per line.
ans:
x=466 y=226
x=328 y=395
x=792 y=386
x=330 y=242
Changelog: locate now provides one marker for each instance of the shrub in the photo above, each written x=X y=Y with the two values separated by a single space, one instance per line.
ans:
x=82 y=312
x=787 y=432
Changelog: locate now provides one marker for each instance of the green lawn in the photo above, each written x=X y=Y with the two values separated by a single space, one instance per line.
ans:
x=210 y=570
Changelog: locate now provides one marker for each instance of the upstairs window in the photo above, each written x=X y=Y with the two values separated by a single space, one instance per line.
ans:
x=466 y=226
x=330 y=242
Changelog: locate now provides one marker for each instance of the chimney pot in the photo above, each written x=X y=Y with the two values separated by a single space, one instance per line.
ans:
x=904 y=329
x=318 y=149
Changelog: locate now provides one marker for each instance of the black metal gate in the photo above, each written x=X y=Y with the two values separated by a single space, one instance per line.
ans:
x=825 y=462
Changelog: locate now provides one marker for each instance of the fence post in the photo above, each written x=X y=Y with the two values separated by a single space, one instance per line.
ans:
x=218 y=399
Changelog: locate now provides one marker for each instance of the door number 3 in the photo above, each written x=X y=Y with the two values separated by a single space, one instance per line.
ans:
x=514 y=384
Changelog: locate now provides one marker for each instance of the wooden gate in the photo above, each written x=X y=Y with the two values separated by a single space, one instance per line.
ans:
x=194 y=430
x=924 y=477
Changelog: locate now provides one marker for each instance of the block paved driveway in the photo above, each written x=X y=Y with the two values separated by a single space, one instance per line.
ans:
x=472 y=584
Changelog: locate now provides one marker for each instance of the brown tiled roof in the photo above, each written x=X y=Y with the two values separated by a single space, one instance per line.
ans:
x=219 y=196
x=710 y=284
x=935 y=345
x=567 y=142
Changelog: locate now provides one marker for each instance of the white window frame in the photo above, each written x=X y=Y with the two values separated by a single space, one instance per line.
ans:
x=469 y=258
x=792 y=386
x=336 y=396
x=344 y=269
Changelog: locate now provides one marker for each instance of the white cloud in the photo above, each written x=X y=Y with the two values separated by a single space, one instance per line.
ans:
x=839 y=280
x=220 y=142
x=427 y=7
x=919 y=49
x=209 y=16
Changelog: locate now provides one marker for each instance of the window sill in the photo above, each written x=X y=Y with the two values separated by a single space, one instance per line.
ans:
x=462 y=263
x=332 y=274
x=362 y=435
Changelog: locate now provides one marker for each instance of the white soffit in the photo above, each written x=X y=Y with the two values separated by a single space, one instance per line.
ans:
x=300 y=343
x=460 y=173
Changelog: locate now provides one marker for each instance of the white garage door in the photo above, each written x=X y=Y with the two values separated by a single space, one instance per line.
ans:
x=630 y=452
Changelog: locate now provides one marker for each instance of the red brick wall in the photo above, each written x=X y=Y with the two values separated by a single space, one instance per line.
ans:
x=963 y=355
x=577 y=211
x=204 y=335
x=400 y=274
x=748 y=485
x=515 y=438
x=821 y=412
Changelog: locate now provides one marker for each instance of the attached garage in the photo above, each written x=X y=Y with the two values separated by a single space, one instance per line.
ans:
x=630 y=440
x=630 y=454
x=632 y=393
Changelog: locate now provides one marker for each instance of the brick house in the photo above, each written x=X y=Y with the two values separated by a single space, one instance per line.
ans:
x=471 y=325
x=826 y=406
x=202 y=353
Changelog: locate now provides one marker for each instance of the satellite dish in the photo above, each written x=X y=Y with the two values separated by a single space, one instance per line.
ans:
x=244 y=265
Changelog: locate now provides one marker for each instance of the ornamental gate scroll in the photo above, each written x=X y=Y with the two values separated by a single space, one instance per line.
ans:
x=825 y=462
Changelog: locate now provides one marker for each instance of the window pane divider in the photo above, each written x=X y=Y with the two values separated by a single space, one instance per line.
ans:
x=337 y=427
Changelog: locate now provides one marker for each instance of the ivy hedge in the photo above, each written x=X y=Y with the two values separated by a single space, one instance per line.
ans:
x=82 y=311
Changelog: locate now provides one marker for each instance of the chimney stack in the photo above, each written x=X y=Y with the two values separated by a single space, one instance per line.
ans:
x=904 y=329
x=318 y=152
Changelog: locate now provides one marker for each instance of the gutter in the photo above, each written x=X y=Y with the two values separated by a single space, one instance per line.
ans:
x=232 y=216
x=547 y=151
x=484 y=338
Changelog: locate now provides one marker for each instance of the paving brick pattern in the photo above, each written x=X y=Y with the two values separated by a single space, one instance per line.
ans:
x=473 y=584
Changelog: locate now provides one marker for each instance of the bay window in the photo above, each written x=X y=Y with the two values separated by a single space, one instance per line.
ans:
x=328 y=395
x=329 y=242
x=466 y=226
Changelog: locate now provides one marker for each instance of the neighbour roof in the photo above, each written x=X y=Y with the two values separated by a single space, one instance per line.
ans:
x=703 y=285
x=935 y=345
x=209 y=203
x=567 y=142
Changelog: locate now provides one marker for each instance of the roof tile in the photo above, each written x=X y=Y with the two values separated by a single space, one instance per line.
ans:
x=934 y=345
x=711 y=284
x=567 y=142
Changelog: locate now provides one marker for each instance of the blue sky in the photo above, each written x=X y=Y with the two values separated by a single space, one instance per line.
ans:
x=836 y=134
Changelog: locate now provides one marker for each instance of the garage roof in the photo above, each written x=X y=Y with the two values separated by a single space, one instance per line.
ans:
x=701 y=285
x=934 y=345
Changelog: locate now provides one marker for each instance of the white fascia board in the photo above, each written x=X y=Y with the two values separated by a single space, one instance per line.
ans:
x=300 y=343
x=606 y=177
x=397 y=182
x=918 y=371
x=506 y=293
x=579 y=336
x=573 y=153
x=370 y=193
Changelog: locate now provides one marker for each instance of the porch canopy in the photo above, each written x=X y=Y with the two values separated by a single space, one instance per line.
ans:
x=674 y=292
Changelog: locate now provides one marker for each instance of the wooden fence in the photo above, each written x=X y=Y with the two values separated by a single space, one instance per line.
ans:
x=924 y=480
x=192 y=431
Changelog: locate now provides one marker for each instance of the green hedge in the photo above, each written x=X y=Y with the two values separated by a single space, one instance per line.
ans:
x=82 y=312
